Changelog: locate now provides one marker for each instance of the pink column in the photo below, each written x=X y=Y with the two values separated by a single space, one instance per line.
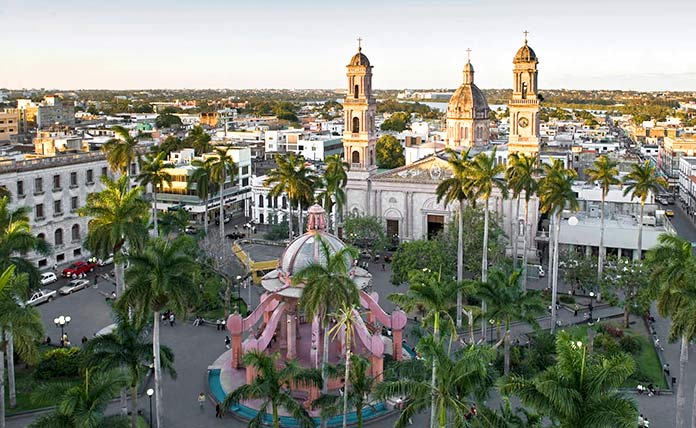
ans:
x=283 y=334
x=234 y=326
x=377 y=365
x=397 y=344
x=292 y=336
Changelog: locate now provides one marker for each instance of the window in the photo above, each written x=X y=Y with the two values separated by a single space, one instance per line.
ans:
x=356 y=90
x=57 y=208
x=74 y=203
x=75 y=232
x=260 y=201
x=41 y=236
x=20 y=188
x=524 y=90
x=90 y=176
x=245 y=170
x=285 y=203
x=58 y=237
x=104 y=171
x=60 y=258
x=56 y=182
x=38 y=212
x=133 y=168
x=245 y=181
x=356 y=125
x=43 y=263
x=355 y=157
x=73 y=179
x=38 y=185
x=77 y=252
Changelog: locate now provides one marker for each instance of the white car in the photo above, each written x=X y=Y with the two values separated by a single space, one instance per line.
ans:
x=107 y=261
x=74 y=285
x=48 y=278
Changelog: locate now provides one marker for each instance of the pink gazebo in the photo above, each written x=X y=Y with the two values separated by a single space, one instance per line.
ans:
x=277 y=324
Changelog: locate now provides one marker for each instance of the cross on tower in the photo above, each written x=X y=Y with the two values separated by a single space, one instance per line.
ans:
x=525 y=35
x=359 y=44
x=468 y=55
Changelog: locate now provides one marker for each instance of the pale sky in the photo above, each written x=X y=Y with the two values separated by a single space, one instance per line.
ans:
x=126 y=44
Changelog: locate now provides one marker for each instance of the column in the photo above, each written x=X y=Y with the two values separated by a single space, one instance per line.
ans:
x=292 y=336
x=283 y=334
x=397 y=342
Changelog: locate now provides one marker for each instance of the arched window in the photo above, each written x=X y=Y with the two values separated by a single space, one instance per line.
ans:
x=478 y=133
x=356 y=90
x=372 y=157
x=75 y=232
x=285 y=202
x=466 y=133
x=524 y=90
x=41 y=236
x=260 y=201
x=356 y=125
x=355 y=157
x=58 y=237
x=269 y=201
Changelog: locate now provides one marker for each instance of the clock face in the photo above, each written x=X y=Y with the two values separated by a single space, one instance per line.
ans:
x=523 y=122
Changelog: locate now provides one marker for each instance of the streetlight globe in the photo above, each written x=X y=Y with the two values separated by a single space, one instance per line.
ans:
x=239 y=277
x=61 y=319
x=579 y=343
x=67 y=319
x=56 y=321
x=150 y=391
x=591 y=293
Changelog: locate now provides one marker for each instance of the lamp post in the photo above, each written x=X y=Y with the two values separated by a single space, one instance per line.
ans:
x=239 y=289
x=592 y=296
x=150 y=391
x=61 y=322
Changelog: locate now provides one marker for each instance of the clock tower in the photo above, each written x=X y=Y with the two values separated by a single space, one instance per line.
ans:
x=525 y=103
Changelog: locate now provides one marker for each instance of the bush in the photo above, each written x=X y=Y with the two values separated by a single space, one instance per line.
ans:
x=613 y=330
x=278 y=232
x=59 y=363
x=568 y=300
x=605 y=344
x=630 y=344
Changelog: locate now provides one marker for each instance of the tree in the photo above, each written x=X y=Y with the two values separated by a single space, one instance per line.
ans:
x=397 y=122
x=640 y=183
x=389 y=152
x=555 y=193
x=673 y=275
x=507 y=301
x=365 y=232
x=605 y=173
x=118 y=218
x=20 y=330
x=160 y=276
x=202 y=180
x=625 y=284
x=461 y=378
x=174 y=221
x=335 y=180
x=83 y=405
x=270 y=386
x=345 y=322
x=126 y=348
x=222 y=168
x=167 y=120
x=435 y=296
x=153 y=172
x=457 y=188
x=580 y=390
x=170 y=144
x=292 y=178
x=578 y=271
x=121 y=150
x=484 y=173
x=327 y=287
x=199 y=140
x=522 y=176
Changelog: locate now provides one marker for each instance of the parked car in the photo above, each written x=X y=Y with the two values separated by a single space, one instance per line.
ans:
x=669 y=213
x=78 y=269
x=190 y=230
x=235 y=235
x=74 y=285
x=41 y=296
x=48 y=278
x=227 y=219
x=107 y=261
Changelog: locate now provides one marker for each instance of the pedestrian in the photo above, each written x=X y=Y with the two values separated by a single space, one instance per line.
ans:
x=84 y=339
x=201 y=400
x=665 y=367
x=113 y=295
x=96 y=280
x=227 y=342
x=171 y=319
x=383 y=266
x=575 y=312
x=641 y=421
x=55 y=267
x=218 y=411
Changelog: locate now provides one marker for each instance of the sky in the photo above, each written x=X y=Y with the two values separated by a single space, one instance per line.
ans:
x=126 y=44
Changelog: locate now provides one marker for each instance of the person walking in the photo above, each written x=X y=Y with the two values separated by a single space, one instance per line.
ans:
x=227 y=342
x=171 y=319
x=201 y=400
x=218 y=411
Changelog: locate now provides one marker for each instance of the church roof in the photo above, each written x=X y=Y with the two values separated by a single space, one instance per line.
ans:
x=525 y=54
x=467 y=101
x=359 y=59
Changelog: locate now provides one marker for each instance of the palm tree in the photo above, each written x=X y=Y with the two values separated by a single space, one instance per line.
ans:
x=153 y=172
x=118 y=218
x=345 y=322
x=580 y=390
x=160 y=276
x=640 y=183
x=201 y=178
x=457 y=188
x=605 y=173
x=83 y=405
x=292 y=178
x=484 y=173
x=126 y=348
x=199 y=140
x=222 y=168
x=464 y=375
x=506 y=301
x=20 y=330
x=121 y=150
x=174 y=221
x=673 y=272
x=522 y=178
x=436 y=298
x=555 y=193
x=271 y=387
x=335 y=180
x=327 y=287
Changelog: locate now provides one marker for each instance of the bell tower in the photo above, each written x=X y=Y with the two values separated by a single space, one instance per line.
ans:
x=525 y=102
x=359 y=109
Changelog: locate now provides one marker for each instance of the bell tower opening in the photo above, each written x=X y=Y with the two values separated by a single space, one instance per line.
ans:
x=356 y=125
x=356 y=91
x=355 y=157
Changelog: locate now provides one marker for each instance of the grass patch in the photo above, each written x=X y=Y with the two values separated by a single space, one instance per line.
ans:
x=25 y=385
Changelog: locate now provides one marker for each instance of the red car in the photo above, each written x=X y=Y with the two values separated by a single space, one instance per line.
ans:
x=78 y=269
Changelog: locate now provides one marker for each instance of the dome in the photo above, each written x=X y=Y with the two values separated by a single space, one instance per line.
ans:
x=303 y=250
x=468 y=101
x=359 y=59
x=525 y=54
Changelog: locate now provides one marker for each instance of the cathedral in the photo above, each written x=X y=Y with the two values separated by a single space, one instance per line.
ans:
x=405 y=197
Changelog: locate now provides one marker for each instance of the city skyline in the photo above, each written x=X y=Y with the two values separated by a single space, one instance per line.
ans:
x=129 y=45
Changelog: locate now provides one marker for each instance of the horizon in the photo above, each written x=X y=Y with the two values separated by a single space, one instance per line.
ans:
x=302 y=46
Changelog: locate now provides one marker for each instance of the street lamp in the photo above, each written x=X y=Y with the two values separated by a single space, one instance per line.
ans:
x=61 y=322
x=592 y=295
x=150 y=391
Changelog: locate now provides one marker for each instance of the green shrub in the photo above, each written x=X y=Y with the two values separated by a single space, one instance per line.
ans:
x=59 y=363
x=568 y=300
x=605 y=344
x=630 y=344
x=613 y=330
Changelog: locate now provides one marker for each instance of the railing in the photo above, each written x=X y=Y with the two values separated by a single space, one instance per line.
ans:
x=48 y=162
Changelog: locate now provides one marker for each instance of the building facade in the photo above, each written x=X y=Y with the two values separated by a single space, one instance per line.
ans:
x=468 y=114
x=9 y=124
x=55 y=111
x=525 y=104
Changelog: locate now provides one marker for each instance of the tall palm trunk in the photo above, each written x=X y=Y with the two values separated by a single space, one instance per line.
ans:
x=325 y=364
x=681 y=387
x=11 y=369
x=433 y=378
x=300 y=226
x=222 y=215
x=118 y=274
x=205 y=217
x=290 y=220
x=158 y=369
x=554 y=286
x=134 y=400
x=528 y=230
x=2 y=379
x=693 y=410
x=600 y=262
x=276 y=419
x=506 y=353
x=345 y=384
x=640 y=230
x=460 y=260
x=514 y=233
x=484 y=269
x=154 y=209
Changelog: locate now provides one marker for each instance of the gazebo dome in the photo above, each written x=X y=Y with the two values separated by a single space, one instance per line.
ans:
x=359 y=59
x=303 y=251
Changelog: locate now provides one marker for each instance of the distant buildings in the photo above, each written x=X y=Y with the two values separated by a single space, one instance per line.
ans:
x=55 y=111
x=9 y=124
